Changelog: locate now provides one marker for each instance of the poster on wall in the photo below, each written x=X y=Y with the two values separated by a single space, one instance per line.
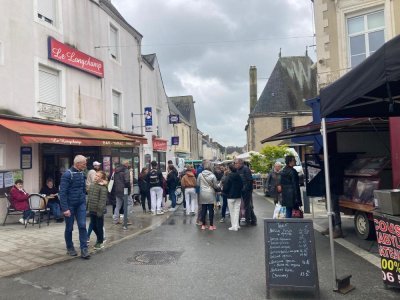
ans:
x=107 y=164
x=26 y=158
x=8 y=179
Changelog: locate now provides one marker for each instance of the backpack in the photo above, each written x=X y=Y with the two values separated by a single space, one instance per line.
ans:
x=154 y=178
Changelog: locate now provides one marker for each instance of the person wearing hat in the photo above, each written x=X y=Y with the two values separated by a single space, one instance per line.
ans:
x=92 y=174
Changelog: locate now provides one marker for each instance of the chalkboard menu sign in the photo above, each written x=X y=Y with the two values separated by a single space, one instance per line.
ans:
x=290 y=258
x=387 y=229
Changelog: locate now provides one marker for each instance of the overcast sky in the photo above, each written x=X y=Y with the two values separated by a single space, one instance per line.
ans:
x=205 y=49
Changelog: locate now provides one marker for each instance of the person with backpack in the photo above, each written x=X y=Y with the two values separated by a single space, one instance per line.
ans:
x=155 y=181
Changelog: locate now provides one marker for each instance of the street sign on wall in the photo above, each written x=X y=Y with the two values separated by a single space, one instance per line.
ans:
x=175 y=140
x=148 y=119
x=173 y=119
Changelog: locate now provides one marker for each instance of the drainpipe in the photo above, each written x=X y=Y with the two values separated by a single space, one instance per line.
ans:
x=140 y=99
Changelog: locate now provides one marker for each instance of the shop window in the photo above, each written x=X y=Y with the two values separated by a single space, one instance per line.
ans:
x=114 y=37
x=49 y=86
x=116 y=109
x=366 y=33
x=287 y=123
x=46 y=11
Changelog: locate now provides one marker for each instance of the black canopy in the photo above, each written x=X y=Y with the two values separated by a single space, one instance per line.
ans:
x=372 y=89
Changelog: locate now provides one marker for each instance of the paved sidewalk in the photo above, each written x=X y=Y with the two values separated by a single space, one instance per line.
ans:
x=23 y=249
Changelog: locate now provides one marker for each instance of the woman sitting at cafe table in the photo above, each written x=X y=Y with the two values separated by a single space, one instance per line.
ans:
x=53 y=202
x=19 y=200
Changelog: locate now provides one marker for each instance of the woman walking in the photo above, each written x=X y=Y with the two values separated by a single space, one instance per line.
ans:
x=96 y=205
x=144 y=190
x=188 y=182
x=232 y=188
x=291 y=197
x=208 y=184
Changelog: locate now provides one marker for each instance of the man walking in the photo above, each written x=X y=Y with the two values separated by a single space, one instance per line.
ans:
x=247 y=191
x=73 y=205
x=155 y=180
x=122 y=180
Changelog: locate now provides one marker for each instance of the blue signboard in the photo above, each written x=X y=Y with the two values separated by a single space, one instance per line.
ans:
x=175 y=140
x=173 y=119
x=148 y=119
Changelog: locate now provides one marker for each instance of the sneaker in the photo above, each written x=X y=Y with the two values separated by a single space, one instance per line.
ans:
x=160 y=212
x=98 y=246
x=337 y=233
x=22 y=221
x=85 y=253
x=233 y=229
x=193 y=213
x=222 y=220
x=32 y=221
x=199 y=223
x=203 y=227
x=212 y=228
x=153 y=213
x=72 y=252
x=150 y=212
x=172 y=209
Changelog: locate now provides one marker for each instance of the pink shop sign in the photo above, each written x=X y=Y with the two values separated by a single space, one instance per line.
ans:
x=70 y=56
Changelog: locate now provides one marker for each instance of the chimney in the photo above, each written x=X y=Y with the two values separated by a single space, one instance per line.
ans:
x=253 y=87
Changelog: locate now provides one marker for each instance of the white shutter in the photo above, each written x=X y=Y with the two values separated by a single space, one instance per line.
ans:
x=113 y=42
x=47 y=9
x=49 y=87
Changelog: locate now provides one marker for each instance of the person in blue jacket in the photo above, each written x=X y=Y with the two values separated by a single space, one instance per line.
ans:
x=73 y=205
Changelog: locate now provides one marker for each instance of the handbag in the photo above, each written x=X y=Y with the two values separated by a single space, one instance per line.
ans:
x=297 y=213
x=111 y=183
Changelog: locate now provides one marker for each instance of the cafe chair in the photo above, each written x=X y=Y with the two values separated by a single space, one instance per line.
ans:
x=37 y=204
x=10 y=208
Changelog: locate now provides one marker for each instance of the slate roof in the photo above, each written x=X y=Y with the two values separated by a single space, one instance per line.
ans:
x=291 y=81
x=149 y=59
x=175 y=111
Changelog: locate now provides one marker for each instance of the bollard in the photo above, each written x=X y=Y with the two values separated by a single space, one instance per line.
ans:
x=125 y=226
x=306 y=202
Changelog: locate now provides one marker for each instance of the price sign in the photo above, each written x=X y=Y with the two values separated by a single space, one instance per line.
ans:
x=290 y=258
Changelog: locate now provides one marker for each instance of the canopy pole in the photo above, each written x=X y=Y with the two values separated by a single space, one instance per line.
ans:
x=328 y=201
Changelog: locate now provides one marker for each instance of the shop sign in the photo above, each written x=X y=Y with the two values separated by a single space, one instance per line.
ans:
x=148 y=119
x=175 y=140
x=75 y=141
x=69 y=56
x=26 y=158
x=173 y=119
x=159 y=145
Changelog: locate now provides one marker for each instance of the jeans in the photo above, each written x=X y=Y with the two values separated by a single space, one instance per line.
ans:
x=210 y=208
x=172 y=197
x=224 y=205
x=55 y=209
x=119 y=204
x=78 y=212
x=156 y=194
x=98 y=224
x=234 y=208
x=28 y=214
x=191 y=200
x=143 y=197
x=288 y=212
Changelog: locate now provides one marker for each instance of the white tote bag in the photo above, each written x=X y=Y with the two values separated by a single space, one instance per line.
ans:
x=111 y=183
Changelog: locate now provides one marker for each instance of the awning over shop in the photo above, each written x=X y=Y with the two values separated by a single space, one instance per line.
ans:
x=359 y=124
x=33 y=132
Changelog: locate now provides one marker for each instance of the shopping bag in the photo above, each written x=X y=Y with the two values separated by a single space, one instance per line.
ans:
x=276 y=211
x=282 y=213
x=297 y=213
x=111 y=183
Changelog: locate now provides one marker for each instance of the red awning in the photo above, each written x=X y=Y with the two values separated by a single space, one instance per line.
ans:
x=32 y=132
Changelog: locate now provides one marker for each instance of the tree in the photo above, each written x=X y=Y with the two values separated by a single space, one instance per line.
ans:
x=264 y=161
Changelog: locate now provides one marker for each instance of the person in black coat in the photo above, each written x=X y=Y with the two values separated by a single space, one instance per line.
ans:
x=172 y=183
x=144 y=190
x=232 y=188
x=291 y=197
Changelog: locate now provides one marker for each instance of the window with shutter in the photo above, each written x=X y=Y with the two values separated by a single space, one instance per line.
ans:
x=46 y=11
x=49 y=86
x=113 y=42
x=116 y=109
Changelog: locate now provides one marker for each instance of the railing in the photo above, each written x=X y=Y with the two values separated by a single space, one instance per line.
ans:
x=51 y=111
